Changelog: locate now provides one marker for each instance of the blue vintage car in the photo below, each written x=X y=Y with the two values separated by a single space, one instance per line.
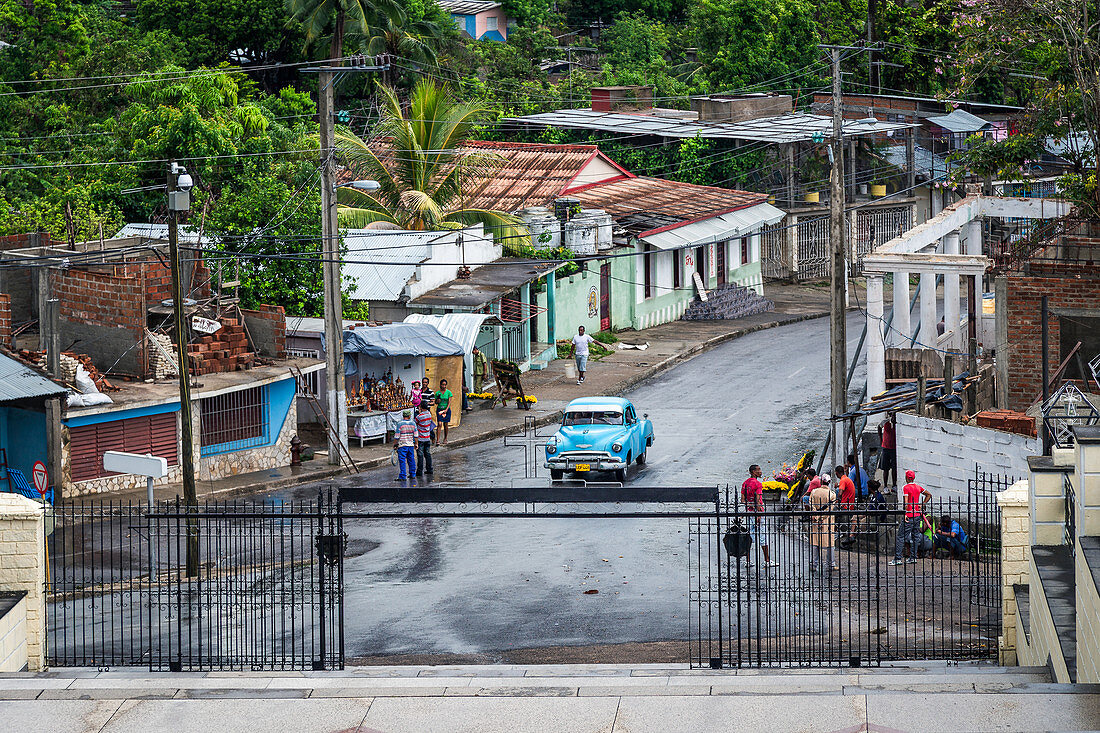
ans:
x=599 y=434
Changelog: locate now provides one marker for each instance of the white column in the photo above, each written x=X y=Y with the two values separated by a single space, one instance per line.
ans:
x=974 y=237
x=951 y=292
x=901 y=328
x=876 y=347
x=928 y=318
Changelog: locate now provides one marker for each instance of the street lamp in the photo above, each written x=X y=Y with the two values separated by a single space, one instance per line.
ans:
x=364 y=185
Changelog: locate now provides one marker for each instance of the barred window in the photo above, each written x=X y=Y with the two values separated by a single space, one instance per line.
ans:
x=233 y=421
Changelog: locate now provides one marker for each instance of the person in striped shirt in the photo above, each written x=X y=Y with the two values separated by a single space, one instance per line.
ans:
x=405 y=444
x=424 y=427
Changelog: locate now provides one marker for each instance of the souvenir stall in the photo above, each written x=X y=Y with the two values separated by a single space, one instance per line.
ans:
x=380 y=365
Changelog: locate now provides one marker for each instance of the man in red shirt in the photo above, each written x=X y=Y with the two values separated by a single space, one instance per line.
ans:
x=888 y=438
x=846 y=489
x=909 y=528
x=752 y=496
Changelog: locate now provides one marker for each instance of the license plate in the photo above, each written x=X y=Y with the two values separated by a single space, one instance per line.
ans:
x=583 y=467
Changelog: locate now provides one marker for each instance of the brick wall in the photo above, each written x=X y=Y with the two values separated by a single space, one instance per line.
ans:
x=103 y=316
x=226 y=350
x=22 y=241
x=267 y=326
x=1065 y=286
x=5 y=320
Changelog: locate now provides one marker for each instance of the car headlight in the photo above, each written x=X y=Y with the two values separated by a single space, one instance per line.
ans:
x=551 y=449
x=616 y=447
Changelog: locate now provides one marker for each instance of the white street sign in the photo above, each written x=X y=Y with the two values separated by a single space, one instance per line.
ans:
x=205 y=325
x=142 y=465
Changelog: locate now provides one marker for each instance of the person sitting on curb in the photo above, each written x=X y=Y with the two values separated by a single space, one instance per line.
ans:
x=951 y=537
x=404 y=442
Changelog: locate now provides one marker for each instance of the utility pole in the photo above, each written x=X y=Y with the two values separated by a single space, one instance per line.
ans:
x=179 y=200
x=336 y=402
x=838 y=347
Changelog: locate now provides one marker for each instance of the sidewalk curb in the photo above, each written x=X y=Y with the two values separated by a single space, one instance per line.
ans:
x=541 y=420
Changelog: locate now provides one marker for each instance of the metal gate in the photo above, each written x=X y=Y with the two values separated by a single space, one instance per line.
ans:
x=847 y=607
x=264 y=591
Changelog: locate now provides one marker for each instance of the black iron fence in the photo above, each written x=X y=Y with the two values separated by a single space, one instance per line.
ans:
x=793 y=587
x=267 y=591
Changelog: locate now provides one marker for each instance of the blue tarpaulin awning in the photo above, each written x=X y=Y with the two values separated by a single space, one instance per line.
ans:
x=399 y=339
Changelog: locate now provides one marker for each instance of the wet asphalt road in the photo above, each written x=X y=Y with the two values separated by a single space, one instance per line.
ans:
x=483 y=586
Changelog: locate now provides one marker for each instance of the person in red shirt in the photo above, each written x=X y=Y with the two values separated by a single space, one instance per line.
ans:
x=846 y=490
x=752 y=496
x=909 y=529
x=888 y=438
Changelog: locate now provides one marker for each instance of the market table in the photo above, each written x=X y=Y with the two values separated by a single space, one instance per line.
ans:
x=371 y=424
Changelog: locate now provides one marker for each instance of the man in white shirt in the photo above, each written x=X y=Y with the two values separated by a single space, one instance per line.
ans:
x=579 y=350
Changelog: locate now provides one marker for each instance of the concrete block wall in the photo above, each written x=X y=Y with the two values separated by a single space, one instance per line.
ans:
x=267 y=326
x=23 y=567
x=944 y=454
x=13 y=635
x=1048 y=507
x=1088 y=622
x=105 y=315
x=1015 y=563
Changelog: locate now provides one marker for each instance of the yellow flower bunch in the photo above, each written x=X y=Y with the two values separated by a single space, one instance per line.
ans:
x=530 y=398
x=480 y=395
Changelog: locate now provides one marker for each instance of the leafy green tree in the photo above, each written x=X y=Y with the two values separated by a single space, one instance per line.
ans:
x=746 y=42
x=334 y=19
x=421 y=171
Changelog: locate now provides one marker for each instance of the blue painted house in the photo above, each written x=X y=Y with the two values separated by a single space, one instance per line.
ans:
x=481 y=20
x=24 y=429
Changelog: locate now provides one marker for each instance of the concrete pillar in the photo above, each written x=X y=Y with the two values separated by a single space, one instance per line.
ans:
x=951 y=294
x=974 y=237
x=876 y=346
x=1015 y=561
x=551 y=310
x=23 y=567
x=1087 y=481
x=901 y=328
x=928 y=317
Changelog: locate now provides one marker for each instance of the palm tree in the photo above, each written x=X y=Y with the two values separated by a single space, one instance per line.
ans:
x=421 y=167
x=340 y=17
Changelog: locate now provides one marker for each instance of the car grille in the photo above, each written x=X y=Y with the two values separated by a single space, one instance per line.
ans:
x=582 y=456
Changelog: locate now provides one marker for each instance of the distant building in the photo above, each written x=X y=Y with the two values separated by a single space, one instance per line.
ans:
x=481 y=20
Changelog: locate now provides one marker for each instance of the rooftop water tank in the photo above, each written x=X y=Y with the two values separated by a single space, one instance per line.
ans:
x=543 y=226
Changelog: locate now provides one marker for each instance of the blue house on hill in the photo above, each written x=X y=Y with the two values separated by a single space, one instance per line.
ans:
x=481 y=20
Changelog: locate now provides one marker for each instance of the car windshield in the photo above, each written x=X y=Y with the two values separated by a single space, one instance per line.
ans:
x=593 y=417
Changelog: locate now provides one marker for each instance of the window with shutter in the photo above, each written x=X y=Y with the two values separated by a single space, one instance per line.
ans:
x=155 y=434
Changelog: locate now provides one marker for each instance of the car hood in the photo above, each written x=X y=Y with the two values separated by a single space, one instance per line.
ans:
x=595 y=435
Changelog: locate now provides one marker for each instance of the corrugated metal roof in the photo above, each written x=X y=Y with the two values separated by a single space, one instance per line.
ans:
x=467 y=7
x=399 y=250
x=486 y=283
x=960 y=121
x=462 y=328
x=185 y=234
x=793 y=127
x=684 y=201
x=925 y=162
x=20 y=382
x=725 y=226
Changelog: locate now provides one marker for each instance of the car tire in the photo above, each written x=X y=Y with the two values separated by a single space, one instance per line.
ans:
x=620 y=475
x=641 y=458
x=557 y=474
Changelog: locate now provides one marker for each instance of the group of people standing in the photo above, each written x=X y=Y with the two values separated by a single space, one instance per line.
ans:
x=841 y=514
x=416 y=432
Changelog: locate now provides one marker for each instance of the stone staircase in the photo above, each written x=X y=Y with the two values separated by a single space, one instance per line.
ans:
x=894 y=697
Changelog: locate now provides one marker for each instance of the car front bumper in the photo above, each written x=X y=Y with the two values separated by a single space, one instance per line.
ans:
x=595 y=461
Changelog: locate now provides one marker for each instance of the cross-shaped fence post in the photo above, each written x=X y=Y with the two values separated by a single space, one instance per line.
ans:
x=530 y=441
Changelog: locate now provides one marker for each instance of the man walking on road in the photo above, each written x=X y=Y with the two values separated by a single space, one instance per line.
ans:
x=752 y=496
x=888 y=438
x=424 y=428
x=909 y=528
x=405 y=445
x=579 y=350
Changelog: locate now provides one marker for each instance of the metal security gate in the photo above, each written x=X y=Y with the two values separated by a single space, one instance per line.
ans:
x=266 y=594
x=847 y=608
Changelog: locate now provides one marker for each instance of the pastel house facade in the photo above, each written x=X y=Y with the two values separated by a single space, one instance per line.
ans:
x=479 y=19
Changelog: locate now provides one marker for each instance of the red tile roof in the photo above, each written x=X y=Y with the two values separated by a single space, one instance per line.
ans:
x=533 y=174
x=685 y=201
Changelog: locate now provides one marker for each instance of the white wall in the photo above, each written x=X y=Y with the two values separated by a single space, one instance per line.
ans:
x=478 y=248
x=944 y=454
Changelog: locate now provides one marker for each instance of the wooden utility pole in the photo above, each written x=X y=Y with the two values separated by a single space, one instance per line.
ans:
x=838 y=347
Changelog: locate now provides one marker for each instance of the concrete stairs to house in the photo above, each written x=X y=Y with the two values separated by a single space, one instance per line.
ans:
x=727 y=302
x=542 y=354
x=897 y=697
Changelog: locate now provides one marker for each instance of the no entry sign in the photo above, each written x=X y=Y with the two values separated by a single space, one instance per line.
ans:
x=40 y=477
